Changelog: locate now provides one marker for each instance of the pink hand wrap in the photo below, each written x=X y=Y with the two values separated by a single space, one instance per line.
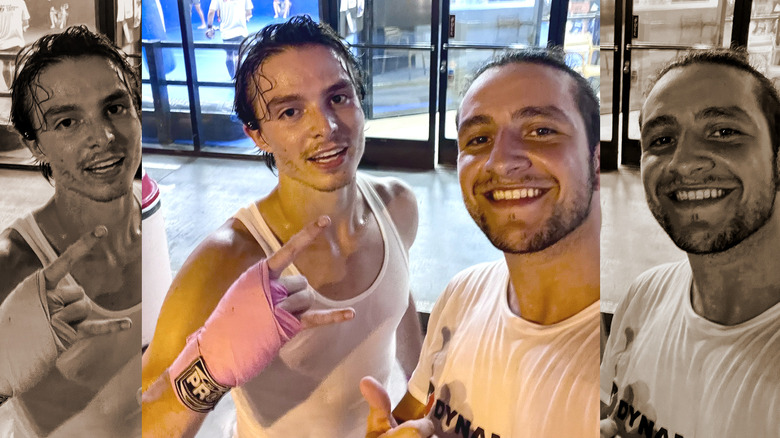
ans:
x=242 y=335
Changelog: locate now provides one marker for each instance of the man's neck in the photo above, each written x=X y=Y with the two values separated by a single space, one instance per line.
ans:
x=552 y=285
x=70 y=215
x=292 y=205
x=739 y=284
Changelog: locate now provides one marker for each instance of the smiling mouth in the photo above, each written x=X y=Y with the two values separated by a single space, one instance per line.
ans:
x=698 y=194
x=514 y=194
x=328 y=156
x=105 y=166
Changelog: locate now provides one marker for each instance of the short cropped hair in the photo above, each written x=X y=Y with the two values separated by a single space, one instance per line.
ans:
x=585 y=97
x=31 y=61
x=766 y=94
x=298 y=31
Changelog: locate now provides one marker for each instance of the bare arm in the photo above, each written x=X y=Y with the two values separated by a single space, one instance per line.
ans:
x=409 y=339
x=243 y=322
x=194 y=293
x=210 y=19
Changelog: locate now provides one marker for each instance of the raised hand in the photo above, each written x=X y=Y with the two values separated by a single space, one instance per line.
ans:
x=40 y=319
x=609 y=428
x=68 y=306
x=251 y=322
x=299 y=298
x=380 y=422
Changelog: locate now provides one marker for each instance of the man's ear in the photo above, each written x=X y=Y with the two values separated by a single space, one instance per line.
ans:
x=257 y=137
x=597 y=167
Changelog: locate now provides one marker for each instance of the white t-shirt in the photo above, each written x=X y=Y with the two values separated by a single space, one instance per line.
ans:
x=495 y=374
x=668 y=369
x=233 y=16
x=12 y=16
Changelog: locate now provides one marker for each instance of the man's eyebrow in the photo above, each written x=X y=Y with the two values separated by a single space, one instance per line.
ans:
x=116 y=95
x=343 y=83
x=59 y=109
x=722 y=111
x=479 y=119
x=657 y=122
x=282 y=100
x=544 y=111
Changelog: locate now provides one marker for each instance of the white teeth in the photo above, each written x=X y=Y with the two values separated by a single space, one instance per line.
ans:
x=697 y=195
x=103 y=165
x=328 y=157
x=500 y=195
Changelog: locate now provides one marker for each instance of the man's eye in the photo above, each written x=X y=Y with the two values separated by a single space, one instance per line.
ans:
x=116 y=109
x=725 y=132
x=482 y=139
x=289 y=112
x=339 y=98
x=540 y=132
x=65 y=123
x=661 y=141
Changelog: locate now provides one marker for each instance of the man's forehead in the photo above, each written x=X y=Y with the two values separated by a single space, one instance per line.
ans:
x=71 y=74
x=699 y=86
x=291 y=72
x=520 y=85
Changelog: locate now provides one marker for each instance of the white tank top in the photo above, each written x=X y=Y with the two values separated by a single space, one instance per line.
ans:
x=92 y=365
x=312 y=388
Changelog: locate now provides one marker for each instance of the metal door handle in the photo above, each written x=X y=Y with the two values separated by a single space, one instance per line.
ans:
x=626 y=67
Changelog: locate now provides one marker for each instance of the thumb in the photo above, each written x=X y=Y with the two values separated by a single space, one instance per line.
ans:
x=380 y=417
x=608 y=428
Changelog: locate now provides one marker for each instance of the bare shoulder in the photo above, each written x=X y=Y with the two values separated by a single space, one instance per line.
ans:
x=401 y=204
x=195 y=291
x=17 y=261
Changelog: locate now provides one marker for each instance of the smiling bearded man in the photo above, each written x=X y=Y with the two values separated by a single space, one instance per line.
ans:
x=512 y=346
x=695 y=345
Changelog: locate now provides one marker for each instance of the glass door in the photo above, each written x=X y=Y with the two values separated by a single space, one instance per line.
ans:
x=396 y=46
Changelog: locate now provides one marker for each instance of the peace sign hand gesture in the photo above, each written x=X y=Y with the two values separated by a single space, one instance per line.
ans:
x=68 y=306
x=40 y=319
x=258 y=314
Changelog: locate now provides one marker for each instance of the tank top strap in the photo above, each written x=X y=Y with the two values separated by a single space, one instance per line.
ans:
x=381 y=213
x=28 y=228
x=254 y=222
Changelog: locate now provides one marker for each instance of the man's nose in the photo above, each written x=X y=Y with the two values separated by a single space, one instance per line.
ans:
x=691 y=157
x=324 y=121
x=101 y=133
x=509 y=154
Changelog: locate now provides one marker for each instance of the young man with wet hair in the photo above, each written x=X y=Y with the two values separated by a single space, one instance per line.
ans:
x=512 y=347
x=228 y=321
x=70 y=271
x=695 y=345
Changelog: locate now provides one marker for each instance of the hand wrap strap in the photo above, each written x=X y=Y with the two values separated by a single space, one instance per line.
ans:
x=239 y=339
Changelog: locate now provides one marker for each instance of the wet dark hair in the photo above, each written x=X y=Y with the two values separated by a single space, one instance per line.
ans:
x=298 y=31
x=31 y=61
x=766 y=94
x=585 y=97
